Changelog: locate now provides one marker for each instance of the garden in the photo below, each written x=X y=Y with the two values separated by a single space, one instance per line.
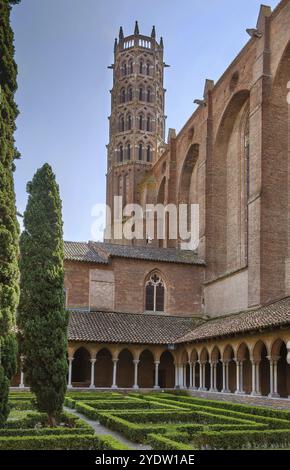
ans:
x=161 y=421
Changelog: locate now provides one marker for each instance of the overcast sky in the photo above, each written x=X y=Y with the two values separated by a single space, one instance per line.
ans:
x=63 y=48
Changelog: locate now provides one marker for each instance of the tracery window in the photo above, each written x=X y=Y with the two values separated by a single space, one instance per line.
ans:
x=154 y=294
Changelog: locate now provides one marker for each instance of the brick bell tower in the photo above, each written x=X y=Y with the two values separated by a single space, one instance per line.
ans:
x=137 y=121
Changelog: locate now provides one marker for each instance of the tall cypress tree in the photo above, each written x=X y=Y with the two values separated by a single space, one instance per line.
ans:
x=9 y=230
x=42 y=317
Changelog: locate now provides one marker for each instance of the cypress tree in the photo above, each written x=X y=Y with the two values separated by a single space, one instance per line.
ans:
x=42 y=316
x=9 y=230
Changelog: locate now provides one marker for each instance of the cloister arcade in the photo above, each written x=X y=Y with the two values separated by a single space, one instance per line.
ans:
x=252 y=365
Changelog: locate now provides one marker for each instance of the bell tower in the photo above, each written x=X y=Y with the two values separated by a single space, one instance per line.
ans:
x=137 y=120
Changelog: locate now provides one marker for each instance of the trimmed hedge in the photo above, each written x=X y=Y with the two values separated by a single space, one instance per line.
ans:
x=86 y=442
x=164 y=443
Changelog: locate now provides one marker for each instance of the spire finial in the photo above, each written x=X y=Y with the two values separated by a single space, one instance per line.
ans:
x=136 y=30
x=121 y=34
x=115 y=44
x=153 y=33
x=161 y=42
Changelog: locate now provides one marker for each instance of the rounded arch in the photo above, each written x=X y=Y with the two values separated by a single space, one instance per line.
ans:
x=258 y=348
x=103 y=368
x=188 y=166
x=243 y=355
x=229 y=356
x=166 y=370
x=125 y=369
x=81 y=367
x=279 y=356
x=146 y=376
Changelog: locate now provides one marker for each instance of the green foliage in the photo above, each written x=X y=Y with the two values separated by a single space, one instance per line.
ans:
x=166 y=443
x=42 y=317
x=242 y=439
x=9 y=230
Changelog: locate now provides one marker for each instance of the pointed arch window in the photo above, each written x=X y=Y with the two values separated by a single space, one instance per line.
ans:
x=123 y=95
x=128 y=151
x=155 y=294
x=140 y=151
x=148 y=153
x=122 y=124
x=148 y=68
x=149 y=95
x=141 y=94
x=130 y=64
x=141 y=119
x=148 y=125
x=130 y=93
x=141 y=64
x=121 y=153
x=129 y=122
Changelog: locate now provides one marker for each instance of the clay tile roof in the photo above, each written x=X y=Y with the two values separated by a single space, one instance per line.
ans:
x=113 y=327
x=272 y=315
x=81 y=251
x=169 y=255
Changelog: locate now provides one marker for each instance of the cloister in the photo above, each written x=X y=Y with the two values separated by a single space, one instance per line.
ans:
x=252 y=365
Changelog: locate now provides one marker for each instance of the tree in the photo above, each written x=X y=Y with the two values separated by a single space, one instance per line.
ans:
x=9 y=229
x=42 y=316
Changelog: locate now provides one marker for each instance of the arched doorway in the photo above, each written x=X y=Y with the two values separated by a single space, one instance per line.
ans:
x=103 y=369
x=81 y=369
x=166 y=370
x=146 y=375
x=125 y=369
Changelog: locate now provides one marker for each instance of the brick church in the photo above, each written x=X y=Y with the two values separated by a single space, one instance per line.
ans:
x=148 y=314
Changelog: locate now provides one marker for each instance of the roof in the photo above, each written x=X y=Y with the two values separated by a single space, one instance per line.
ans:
x=115 y=327
x=100 y=252
x=273 y=315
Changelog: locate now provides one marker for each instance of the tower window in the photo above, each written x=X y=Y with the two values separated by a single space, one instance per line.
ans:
x=141 y=94
x=123 y=96
x=130 y=93
x=130 y=66
x=148 y=153
x=129 y=121
x=140 y=152
x=121 y=153
x=148 y=127
x=148 y=68
x=128 y=151
x=141 y=122
x=141 y=66
x=154 y=294
x=149 y=95
x=122 y=124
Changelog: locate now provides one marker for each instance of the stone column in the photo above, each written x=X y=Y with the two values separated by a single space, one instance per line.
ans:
x=193 y=376
x=255 y=378
x=273 y=377
x=92 y=384
x=190 y=375
x=181 y=375
x=225 y=376
x=70 y=361
x=176 y=375
x=184 y=376
x=213 y=376
x=200 y=388
x=156 y=385
x=114 y=384
x=211 y=388
x=136 y=362
x=21 y=385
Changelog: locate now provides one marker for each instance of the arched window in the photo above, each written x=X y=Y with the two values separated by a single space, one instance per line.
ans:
x=123 y=95
x=128 y=151
x=141 y=119
x=130 y=64
x=141 y=64
x=140 y=152
x=148 y=153
x=130 y=93
x=149 y=95
x=148 y=125
x=141 y=94
x=129 y=122
x=154 y=294
x=122 y=124
x=121 y=153
x=148 y=68
x=124 y=69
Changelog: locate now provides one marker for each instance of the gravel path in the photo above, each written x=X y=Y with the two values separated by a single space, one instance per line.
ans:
x=100 y=429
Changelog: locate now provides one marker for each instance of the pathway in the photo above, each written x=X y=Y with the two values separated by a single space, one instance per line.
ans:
x=100 y=429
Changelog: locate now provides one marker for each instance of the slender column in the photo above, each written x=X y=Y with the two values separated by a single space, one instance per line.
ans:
x=176 y=375
x=211 y=387
x=201 y=365
x=136 y=362
x=92 y=384
x=238 y=376
x=181 y=383
x=184 y=376
x=190 y=375
x=213 y=376
x=225 y=376
x=70 y=361
x=203 y=377
x=255 y=378
x=273 y=377
x=156 y=385
x=21 y=385
x=193 y=376
x=114 y=384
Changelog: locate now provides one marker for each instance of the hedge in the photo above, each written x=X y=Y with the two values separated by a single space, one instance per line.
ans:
x=85 y=442
x=164 y=443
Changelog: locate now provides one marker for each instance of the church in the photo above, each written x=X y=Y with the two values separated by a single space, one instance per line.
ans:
x=147 y=314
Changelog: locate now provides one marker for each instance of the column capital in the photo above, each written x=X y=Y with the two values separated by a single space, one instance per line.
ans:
x=115 y=360
x=136 y=361
x=157 y=362
x=273 y=359
x=70 y=358
x=93 y=361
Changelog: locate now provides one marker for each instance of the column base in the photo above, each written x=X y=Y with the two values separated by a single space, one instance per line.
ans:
x=114 y=387
x=202 y=389
x=274 y=395
x=239 y=392
x=21 y=386
x=225 y=391
x=256 y=394
x=92 y=387
x=213 y=390
x=135 y=387
x=156 y=387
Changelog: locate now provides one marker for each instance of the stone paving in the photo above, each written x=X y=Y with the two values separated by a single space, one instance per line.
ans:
x=99 y=429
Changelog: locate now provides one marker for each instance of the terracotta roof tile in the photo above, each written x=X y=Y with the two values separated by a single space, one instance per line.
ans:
x=114 y=327
x=81 y=251
x=272 y=315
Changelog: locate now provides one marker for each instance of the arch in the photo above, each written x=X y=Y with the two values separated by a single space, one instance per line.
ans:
x=81 y=369
x=129 y=121
x=148 y=68
x=122 y=95
x=130 y=93
x=228 y=355
x=128 y=151
x=141 y=121
x=103 y=368
x=204 y=359
x=141 y=65
x=121 y=153
x=186 y=173
x=148 y=153
x=125 y=369
x=146 y=376
x=149 y=95
x=243 y=355
x=279 y=353
x=141 y=93
x=166 y=370
x=216 y=358
x=140 y=151
x=121 y=123
x=130 y=66
x=229 y=186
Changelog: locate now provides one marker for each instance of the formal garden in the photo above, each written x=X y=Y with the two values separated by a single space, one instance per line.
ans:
x=159 y=421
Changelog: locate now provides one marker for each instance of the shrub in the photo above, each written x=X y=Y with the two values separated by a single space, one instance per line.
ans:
x=164 y=443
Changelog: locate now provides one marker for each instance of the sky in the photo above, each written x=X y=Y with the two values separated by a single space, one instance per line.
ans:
x=63 y=49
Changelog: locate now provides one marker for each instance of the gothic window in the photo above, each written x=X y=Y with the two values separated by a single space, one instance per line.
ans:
x=123 y=96
x=130 y=93
x=121 y=153
x=148 y=68
x=149 y=95
x=141 y=64
x=130 y=66
x=140 y=152
x=128 y=151
x=129 y=122
x=141 y=94
x=148 y=125
x=148 y=153
x=141 y=119
x=122 y=124
x=155 y=294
